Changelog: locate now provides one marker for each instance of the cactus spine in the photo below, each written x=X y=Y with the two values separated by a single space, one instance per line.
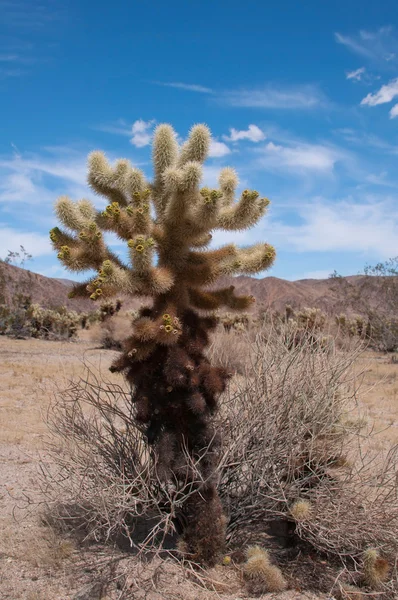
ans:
x=175 y=387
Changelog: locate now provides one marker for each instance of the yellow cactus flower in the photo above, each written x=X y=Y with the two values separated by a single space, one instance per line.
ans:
x=140 y=248
x=168 y=328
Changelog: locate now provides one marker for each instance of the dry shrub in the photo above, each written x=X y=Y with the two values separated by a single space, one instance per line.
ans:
x=102 y=478
x=293 y=440
x=292 y=452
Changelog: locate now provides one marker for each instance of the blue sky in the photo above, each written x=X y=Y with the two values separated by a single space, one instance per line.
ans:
x=301 y=97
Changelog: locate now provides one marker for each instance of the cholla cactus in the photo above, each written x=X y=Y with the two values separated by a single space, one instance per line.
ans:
x=375 y=569
x=260 y=574
x=301 y=510
x=167 y=226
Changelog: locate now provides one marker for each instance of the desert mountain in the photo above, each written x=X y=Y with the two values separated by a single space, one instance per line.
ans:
x=347 y=294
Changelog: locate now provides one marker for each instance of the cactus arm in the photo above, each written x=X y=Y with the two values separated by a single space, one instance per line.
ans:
x=197 y=146
x=228 y=182
x=118 y=184
x=243 y=214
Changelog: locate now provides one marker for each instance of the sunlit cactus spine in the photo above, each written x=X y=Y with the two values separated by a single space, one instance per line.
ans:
x=167 y=225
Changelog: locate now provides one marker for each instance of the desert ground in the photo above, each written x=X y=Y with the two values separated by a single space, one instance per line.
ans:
x=36 y=563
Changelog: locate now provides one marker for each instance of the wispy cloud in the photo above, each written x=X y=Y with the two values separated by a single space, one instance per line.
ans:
x=12 y=238
x=343 y=226
x=35 y=180
x=303 y=97
x=26 y=15
x=363 y=139
x=120 y=128
x=142 y=133
x=379 y=47
x=253 y=134
x=300 y=158
x=352 y=43
x=8 y=57
x=27 y=30
x=188 y=87
x=356 y=75
x=386 y=93
x=380 y=179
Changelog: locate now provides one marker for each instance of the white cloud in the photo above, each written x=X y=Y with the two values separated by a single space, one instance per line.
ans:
x=386 y=93
x=35 y=243
x=301 y=157
x=218 y=149
x=284 y=98
x=346 y=226
x=253 y=133
x=36 y=180
x=356 y=75
x=394 y=112
x=189 y=87
x=142 y=133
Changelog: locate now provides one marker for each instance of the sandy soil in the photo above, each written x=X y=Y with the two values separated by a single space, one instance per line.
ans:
x=38 y=564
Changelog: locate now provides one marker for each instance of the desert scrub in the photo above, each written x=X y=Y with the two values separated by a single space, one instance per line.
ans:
x=24 y=319
x=294 y=451
x=166 y=225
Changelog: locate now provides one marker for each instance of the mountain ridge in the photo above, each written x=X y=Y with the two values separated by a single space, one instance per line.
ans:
x=270 y=292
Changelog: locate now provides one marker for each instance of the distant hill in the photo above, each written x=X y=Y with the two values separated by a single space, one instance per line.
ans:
x=270 y=292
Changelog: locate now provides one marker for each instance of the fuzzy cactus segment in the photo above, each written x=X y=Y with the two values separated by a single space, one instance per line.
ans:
x=166 y=226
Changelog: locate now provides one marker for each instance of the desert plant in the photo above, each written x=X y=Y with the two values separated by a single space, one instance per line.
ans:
x=294 y=452
x=25 y=319
x=175 y=388
x=260 y=574
x=237 y=322
x=374 y=295
x=5 y=318
x=108 y=309
x=14 y=257
x=375 y=568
